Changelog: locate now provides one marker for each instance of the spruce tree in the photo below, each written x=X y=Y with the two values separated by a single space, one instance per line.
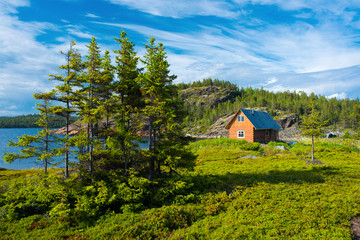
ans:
x=91 y=93
x=129 y=99
x=312 y=126
x=161 y=109
x=66 y=94
x=41 y=146
x=105 y=91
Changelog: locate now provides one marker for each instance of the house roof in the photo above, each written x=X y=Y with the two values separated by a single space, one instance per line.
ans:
x=260 y=120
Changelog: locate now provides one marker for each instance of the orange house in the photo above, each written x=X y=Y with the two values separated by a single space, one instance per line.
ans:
x=253 y=126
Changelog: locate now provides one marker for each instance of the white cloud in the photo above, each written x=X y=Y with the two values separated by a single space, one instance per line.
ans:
x=78 y=32
x=271 y=80
x=26 y=62
x=279 y=58
x=337 y=96
x=90 y=15
x=9 y=6
x=183 y=8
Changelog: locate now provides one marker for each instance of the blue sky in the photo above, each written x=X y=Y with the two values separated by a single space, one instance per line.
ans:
x=311 y=46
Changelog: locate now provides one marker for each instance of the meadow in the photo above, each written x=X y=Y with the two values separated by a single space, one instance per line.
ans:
x=274 y=194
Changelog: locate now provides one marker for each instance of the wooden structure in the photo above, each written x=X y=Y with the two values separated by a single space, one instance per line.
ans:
x=253 y=126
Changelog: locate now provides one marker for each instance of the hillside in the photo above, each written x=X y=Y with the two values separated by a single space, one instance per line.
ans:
x=207 y=96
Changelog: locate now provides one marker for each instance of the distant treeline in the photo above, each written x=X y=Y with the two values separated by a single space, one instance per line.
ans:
x=29 y=121
x=344 y=113
x=209 y=82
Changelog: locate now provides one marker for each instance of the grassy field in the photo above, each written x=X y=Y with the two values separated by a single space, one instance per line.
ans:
x=274 y=196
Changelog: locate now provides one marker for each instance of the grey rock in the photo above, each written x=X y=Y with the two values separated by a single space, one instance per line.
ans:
x=282 y=148
x=249 y=156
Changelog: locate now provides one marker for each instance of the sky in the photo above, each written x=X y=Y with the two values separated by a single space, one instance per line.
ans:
x=280 y=45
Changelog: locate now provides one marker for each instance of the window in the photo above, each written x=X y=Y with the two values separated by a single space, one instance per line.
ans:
x=241 y=118
x=267 y=133
x=241 y=134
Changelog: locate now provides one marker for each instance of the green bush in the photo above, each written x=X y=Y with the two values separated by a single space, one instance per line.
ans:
x=251 y=146
x=346 y=134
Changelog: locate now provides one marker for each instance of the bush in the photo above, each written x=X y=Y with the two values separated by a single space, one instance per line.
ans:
x=346 y=134
x=251 y=146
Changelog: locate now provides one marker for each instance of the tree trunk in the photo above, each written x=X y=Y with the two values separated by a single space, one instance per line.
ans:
x=151 y=149
x=47 y=151
x=91 y=148
x=312 y=148
x=66 y=175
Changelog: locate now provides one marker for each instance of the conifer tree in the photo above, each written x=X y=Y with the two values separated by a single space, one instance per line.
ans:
x=42 y=145
x=129 y=98
x=105 y=89
x=312 y=126
x=91 y=93
x=161 y=106
x=65 y=93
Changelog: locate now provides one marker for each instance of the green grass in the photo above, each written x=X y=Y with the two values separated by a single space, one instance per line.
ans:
x=275 y=196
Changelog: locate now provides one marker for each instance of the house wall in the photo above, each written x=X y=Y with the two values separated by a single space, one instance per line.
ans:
x=246 y=126
x=260 y=135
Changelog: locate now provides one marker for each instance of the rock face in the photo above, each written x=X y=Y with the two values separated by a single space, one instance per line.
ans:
x=77 y=126
x=218 y=128
x=288 y=121
x=207 y=96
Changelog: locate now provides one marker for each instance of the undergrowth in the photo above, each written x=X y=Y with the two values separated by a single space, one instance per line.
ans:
x=274 y=196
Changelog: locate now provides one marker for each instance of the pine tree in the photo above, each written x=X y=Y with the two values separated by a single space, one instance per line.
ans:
x=312 y=126
x=65 y=93
x=106 y=99
x=40 y=146
x=129 y=99
x=91 y=93
x=161 y=108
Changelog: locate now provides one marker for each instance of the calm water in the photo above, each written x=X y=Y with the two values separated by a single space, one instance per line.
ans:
x=7 y=134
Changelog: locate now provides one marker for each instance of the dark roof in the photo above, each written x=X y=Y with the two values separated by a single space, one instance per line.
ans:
x=260 y=120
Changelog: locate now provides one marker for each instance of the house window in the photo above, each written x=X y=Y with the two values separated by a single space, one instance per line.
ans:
x=267 y=133
x=241 y=134
x=241 y=118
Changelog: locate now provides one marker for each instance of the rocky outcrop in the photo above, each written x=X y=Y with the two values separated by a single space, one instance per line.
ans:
x=286 y=122
x=73 y=129
x=77 y=126
x=207 y=96
x=218 y=128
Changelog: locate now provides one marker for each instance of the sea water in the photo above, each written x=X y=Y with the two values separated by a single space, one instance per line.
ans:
x=7 y=134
